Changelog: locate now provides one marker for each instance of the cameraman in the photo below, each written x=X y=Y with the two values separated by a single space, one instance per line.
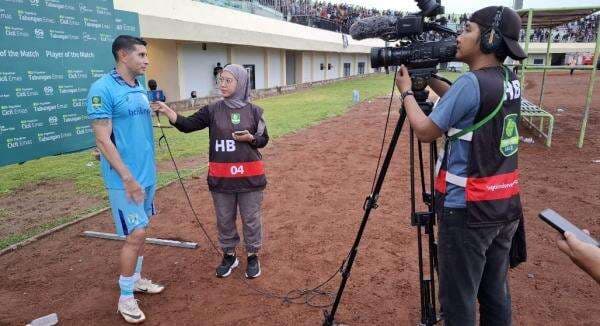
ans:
x=477 y=187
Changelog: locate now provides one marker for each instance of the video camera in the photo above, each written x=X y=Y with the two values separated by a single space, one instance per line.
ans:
x=415 y=52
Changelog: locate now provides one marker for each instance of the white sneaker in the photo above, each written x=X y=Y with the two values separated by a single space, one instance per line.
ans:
x=130 y=311
x=145 y=285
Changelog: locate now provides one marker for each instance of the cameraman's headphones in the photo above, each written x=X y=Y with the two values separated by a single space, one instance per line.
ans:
x=491 y=38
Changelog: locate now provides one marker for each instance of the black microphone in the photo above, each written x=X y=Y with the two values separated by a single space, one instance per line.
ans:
x=372 y=27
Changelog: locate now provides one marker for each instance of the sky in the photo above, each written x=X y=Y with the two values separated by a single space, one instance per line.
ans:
x=467 y=6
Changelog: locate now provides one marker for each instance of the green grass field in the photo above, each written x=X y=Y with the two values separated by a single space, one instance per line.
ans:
x=283 y=114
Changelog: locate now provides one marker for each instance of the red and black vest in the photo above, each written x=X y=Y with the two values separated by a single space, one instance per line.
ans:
x=492 y=184
x=234 y=166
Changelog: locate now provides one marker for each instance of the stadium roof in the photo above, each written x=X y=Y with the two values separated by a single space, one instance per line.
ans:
x=552 y=17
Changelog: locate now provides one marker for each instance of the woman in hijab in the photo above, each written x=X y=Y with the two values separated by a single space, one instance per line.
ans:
x=236 y=176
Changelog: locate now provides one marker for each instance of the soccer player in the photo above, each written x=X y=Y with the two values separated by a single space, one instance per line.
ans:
x=121 y=118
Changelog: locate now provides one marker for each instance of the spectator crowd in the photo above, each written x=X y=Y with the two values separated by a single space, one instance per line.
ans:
x=340 y=16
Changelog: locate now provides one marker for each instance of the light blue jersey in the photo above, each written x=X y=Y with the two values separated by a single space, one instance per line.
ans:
x=110 y=97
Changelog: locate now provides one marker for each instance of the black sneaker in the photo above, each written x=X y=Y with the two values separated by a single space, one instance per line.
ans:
x=253 y=267
x=228 y=263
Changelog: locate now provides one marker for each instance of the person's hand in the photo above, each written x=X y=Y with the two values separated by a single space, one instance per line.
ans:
x=133 y=190
x=403 y=81
x=161 y=107
x=247 y=137
x=583 y=254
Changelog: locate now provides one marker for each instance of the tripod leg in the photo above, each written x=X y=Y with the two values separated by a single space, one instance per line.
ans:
x=370 y=204
x=423 y=286
x=433 y=154
x=432 y=245
x=422 y=170
x=426 y=220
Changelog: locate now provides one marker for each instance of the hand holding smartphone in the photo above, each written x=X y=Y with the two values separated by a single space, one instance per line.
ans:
x=562 y=225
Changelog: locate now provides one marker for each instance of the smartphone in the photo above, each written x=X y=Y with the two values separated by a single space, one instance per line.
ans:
x=562 y=225
x=154 y=96
x=241 y=132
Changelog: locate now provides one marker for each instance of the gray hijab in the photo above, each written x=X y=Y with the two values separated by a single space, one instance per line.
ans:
x=241 y=96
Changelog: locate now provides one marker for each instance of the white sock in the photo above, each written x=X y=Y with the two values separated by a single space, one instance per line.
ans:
x=126 y=286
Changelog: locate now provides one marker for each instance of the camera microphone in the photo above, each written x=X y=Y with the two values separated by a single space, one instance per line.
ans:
x=388 y=28
x=372 y=27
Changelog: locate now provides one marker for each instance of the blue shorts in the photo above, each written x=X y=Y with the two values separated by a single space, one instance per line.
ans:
x=128 y=215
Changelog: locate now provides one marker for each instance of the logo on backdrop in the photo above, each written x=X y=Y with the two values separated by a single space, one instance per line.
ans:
x=39 y=33
x=48 y=90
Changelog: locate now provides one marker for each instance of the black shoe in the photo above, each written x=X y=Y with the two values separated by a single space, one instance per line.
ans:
x=228 y=263
x=253 y=267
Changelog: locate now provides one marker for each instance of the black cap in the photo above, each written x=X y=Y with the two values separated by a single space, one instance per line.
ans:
x=510 y=27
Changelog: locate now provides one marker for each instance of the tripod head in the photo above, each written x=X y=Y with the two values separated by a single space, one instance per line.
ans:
x=420 y=78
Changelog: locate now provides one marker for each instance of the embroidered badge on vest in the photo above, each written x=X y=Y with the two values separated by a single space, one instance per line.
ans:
x=509 y=143
x=235 y=118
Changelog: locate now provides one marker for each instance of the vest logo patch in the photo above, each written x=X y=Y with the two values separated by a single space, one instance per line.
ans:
x=509 y=144
x=235 y=118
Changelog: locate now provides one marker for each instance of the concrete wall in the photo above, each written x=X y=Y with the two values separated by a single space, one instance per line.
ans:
x=164 y=67
x=181 y=68
x=348 y=58
x=196 y=67
x=365 y=59
x=307 y=71
x=318 y=60
x=299 y=67
x=334 y=60
x=248 y=55
x=275 y=64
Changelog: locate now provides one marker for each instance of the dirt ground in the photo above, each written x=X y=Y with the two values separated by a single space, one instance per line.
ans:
x=318 y=179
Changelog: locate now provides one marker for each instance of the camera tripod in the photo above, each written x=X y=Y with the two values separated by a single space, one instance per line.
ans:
x=424 y=221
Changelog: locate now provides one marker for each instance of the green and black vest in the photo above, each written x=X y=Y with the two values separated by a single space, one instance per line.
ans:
x=492 y=184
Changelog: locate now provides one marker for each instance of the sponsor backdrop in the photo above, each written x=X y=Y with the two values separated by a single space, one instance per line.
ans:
x=50 y=53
